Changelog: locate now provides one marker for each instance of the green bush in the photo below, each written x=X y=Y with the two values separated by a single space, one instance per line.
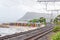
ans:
x=56 y=36
x=28 y=24
x=58 y=23
x=56 y=29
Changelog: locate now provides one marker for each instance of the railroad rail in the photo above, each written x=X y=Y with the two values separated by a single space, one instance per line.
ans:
x=41 y=34
x=30 y=35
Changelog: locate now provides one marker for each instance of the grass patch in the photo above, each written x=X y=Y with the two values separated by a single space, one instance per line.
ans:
x=56 y=28
x=56 y=36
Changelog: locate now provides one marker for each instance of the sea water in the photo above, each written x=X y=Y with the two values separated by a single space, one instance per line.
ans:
x=13 y=30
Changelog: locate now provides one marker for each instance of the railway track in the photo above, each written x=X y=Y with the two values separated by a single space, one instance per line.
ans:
x=30 y=35
x=41 y=34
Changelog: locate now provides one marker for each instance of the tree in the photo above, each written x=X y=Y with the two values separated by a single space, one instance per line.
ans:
x=57 y=20
x=42 y=20
x=34 y=21
x=58 y=16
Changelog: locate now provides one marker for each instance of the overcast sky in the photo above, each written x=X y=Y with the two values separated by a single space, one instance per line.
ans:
x=12 y=10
